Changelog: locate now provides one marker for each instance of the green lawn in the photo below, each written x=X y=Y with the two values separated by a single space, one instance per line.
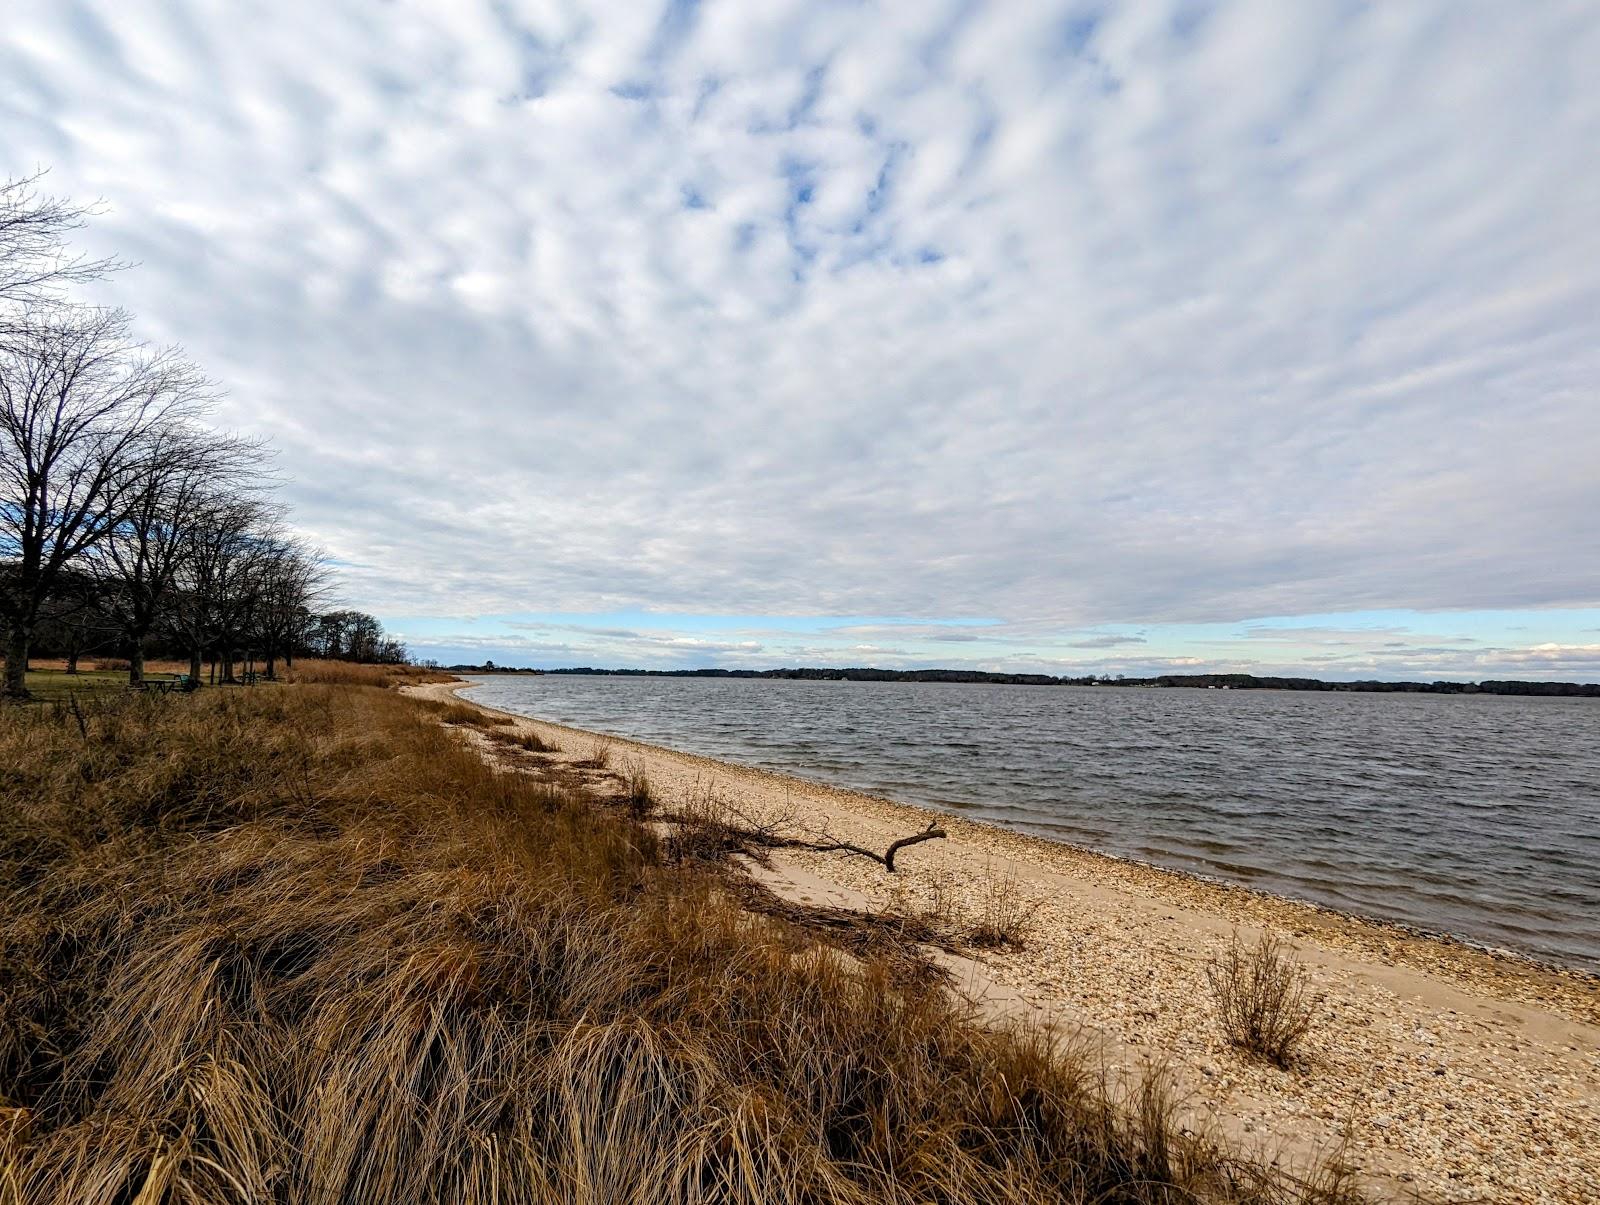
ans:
x=46 y=684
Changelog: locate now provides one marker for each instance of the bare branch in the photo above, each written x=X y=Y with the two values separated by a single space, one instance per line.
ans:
x=716 y=826
x=34 y=260
x=886 y=859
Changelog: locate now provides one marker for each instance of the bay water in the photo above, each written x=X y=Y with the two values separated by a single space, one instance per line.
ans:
x=1473 y=815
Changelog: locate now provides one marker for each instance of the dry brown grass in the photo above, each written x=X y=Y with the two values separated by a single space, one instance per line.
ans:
x=638 y=794
x=304 y=945
x=599 y=755
x=528 y=741
x=1263 y=997
x=348 y=673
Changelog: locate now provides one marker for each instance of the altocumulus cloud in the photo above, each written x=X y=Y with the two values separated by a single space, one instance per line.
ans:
x=1066 y=314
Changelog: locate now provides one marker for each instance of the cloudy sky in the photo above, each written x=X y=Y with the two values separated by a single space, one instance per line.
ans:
x=1077 y=337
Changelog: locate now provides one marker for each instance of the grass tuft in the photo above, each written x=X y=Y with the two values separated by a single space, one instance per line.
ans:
x=638 y=794
x=599 y=756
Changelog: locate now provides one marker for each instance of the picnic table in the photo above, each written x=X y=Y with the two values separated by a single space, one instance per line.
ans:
x=165 y=686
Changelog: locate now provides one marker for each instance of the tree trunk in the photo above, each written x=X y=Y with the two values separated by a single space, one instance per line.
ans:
x=194 y=665
x=136 y=664
x=72 y=661
x=272 y=663
x=17 y=643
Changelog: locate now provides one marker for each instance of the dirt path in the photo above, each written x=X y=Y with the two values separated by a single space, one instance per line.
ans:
x=1461 y=1074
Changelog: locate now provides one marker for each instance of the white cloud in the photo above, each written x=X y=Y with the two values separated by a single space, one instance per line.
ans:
x=1044 y=312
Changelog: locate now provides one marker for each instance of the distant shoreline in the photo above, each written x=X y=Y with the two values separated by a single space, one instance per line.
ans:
x=1582 y=690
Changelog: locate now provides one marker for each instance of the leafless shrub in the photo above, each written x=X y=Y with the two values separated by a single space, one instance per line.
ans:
x=1006 y=914
x=110 y=664
x=1263 y=997
x=931 y=897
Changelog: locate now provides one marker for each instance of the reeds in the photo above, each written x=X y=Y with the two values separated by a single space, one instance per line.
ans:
x=304 y=945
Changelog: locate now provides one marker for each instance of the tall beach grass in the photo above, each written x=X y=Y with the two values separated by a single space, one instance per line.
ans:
x=305 y=945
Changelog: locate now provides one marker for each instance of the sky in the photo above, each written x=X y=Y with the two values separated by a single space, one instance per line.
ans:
x=1085 y=337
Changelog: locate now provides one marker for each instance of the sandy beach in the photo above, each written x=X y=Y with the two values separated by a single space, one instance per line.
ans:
x=1433 y=1067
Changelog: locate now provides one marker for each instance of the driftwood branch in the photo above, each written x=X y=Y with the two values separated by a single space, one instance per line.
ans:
x=886 y=859
x=723 y=828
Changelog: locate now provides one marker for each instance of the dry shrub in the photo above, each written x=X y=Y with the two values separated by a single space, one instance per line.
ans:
x=112 y=664
x=708 y=829
x=1006 y=914
x=705 y=828
x=1263 y=997
x=305 y=946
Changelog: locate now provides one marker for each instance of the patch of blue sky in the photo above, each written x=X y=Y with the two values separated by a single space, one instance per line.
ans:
x=1078 y=30
x=1490 y=627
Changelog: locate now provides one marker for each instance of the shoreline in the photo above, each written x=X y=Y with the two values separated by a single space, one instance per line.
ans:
x=1466 y=1074
x=1577 y=990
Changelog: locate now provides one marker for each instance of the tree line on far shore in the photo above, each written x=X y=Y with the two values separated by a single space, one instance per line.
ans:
x=128 y=525
x=1192 y=681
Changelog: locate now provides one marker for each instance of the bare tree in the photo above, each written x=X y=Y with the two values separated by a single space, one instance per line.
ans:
x=81 y=407
x=220 y=578
x=35 y=262
x=139 y=559
x=294 y=579
x=73 y=619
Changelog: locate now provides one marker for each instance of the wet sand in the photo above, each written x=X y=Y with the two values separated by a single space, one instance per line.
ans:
x=1433 y=1066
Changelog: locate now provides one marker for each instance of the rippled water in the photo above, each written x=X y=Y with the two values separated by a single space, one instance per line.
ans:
x=1474 y=815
